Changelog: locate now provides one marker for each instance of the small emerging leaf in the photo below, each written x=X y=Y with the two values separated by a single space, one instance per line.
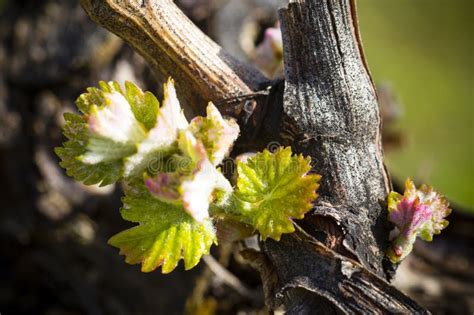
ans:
x=196 y=183
x=419 y=212
x=269 y=53
x=216 y=133
x=161 y=139
x=113 y=130
x=76 y=130
x=112 y=124
x=273 y=188
x=144 y=105
x=165 y=234
x=120 y=133
x=115 y=120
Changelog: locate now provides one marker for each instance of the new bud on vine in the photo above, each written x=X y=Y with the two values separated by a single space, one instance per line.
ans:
x=418 y=212
x=269 y=53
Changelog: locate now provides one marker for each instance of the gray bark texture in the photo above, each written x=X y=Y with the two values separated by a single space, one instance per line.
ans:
x=327 y=109
x=336 y=262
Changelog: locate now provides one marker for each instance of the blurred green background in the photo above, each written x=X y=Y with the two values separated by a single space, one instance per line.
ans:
x=424 y=49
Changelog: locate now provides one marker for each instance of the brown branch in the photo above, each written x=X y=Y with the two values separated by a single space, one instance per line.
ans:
x=175 y=47
x=331 y=283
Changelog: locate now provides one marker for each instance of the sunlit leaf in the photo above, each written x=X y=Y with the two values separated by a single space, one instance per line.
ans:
x=106 y=133
x=165 y=234
x=76 y=130
x=161 y=139
x=195 y=183
x=273 y=188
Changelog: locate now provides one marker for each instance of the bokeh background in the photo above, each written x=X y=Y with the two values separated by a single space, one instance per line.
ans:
x=54 y=257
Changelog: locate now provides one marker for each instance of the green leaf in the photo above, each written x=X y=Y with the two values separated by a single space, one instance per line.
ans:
x=111 y=128
x=272 y=188
x=99 y=139
x=160 y=141
x=165 y=234
x=76 y=130
x=144 y=105
x=95 y=96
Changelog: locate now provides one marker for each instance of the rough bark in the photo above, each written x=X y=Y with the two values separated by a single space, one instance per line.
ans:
x=330 y=113
x=309 y=278
x=327 y=109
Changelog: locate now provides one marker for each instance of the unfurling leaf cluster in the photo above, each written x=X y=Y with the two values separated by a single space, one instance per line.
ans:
x=417 y=213
x=174 y=188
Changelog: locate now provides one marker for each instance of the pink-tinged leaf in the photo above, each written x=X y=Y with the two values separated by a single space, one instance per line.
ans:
x=162 y=138
x=113 y=129
x=115 y=120
x=196 y=183
x=106 y=133
x=198 y=189
x=269 y=53
x=171 y=110
x=418 y=212
x=202 y=188
x=216 y=133
x=164 y=186
x=164 y=235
